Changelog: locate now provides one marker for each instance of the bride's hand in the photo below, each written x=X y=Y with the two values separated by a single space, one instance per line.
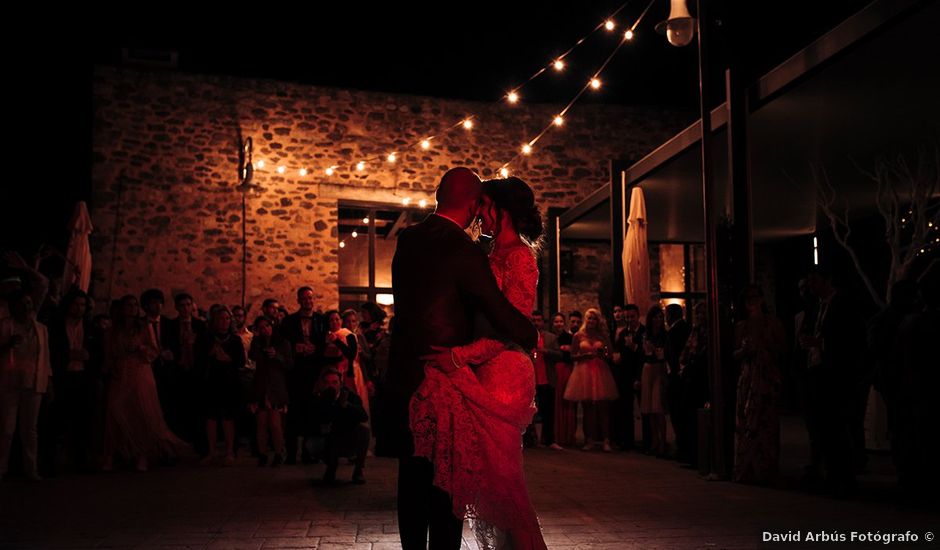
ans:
x=441 y=358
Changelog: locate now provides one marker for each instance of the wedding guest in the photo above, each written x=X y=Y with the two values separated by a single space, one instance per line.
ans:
x=693 y=373
x=653 y=380
x=240 y=326
x=364 y=357
x=219 y=356
x=135 y=428
x=341 y=419
x=341 y=351
x=305 y=330
x=20 y=276
x=565 y=411
x=185 y=417
x=271 y=355
x=575 y=321
x=677 y=334
x=759 y=340
x=629 y=346
x=270 y=308
x=25 y=375
x=547 y=353
x=591 y=382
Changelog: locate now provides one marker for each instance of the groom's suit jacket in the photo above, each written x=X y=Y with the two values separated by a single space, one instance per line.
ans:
x=441 y=280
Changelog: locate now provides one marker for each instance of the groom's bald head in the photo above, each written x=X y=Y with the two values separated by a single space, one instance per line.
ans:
x=459 y=189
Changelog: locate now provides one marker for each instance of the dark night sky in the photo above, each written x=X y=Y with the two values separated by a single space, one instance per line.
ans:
x=470 y=50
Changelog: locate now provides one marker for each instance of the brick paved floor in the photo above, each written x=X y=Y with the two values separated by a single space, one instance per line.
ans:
x=586 y=501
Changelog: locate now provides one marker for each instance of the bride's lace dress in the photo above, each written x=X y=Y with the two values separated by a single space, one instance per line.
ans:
x=470 y=423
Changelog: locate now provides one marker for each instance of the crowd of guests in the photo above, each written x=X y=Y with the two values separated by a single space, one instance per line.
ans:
x=135 y=387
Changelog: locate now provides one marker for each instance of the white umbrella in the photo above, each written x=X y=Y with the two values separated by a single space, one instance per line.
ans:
x=78 y=254
x=636 y=258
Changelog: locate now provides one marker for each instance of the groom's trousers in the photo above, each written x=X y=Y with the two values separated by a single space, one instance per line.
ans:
x=425 y=512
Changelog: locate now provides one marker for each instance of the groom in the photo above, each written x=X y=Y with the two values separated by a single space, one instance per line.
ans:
x=441 y=280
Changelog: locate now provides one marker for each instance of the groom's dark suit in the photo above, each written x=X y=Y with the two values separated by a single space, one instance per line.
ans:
x=441 y=281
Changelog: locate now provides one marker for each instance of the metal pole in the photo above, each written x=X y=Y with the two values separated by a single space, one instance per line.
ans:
x=244 y=246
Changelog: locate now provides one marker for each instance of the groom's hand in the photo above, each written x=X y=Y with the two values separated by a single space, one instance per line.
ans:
x=441 y=358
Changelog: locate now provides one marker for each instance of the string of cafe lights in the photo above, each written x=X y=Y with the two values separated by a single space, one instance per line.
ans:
x=512 y=97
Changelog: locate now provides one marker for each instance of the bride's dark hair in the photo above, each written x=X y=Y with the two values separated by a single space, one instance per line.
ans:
x=514 y=197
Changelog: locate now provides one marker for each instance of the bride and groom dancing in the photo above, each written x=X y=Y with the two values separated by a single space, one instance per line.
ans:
x=460 y=380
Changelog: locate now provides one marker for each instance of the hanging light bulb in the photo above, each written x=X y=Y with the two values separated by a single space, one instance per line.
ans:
x=260 y=164
x=281 y=169
x=425 y=144
x=329 y=171
x=422 y=203
x=302 y=172
x=610 y=25
x=558 y=64
x=468 y=124
x=406 y=201
x=365 y=220
x=680 y=27
x=504 y=172
x=392 y=157
x=512 y=97
x=355 y=234
x=595 y=83
x=361 y=165
x=342 y=244
x=628 y=35
x=559 y=120
x=526 y=149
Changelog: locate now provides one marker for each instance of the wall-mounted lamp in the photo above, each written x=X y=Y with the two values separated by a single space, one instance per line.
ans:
x=246 y=168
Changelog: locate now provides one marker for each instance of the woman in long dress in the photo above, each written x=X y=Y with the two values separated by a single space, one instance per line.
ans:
x=342 y=347
x=759 y=339
x=134 y=427
x=470 y=422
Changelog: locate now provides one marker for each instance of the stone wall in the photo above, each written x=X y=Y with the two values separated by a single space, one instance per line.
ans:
x=167 y=213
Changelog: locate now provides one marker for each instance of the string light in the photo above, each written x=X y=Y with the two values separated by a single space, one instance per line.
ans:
x=467 y=124
x=365 y=220
x=391 y=157
x=260 y=164
x=406 y=201
x=526 y=149
x=512 y=97
x=302 y=172
x=355 y=234
x=422 y=203
x=504 y=172
x=329 y=171
x=609 y=25
x=425 y=144
x=361 y=165
x=559 y=65
x=595 y=83
x=281 y=169
x=342 y=244
x=559 y=120
x=628 y=35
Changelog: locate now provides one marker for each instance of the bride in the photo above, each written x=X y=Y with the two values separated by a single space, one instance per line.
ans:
x=469 y=421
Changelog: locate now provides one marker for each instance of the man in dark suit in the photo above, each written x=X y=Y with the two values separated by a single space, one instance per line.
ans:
x=305 y=329
x=677 y=334
x=441 y=280
x=178 y=341
x=628 y=364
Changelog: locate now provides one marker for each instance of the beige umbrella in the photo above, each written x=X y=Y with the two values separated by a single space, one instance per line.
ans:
x=636 y=258
x=78 y=254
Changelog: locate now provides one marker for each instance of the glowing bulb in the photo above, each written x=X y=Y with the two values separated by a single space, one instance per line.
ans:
x=609 y=25
x=329 y=171
x=680 y=27
x=260 y=164
x=406 y=201
x=303 y=172
x=559 y=64
x=281 y=169
x=391 y=157
x=355 y=234
x=426 y=144
x=504 y=172
x=361 y=165
x=342 y=244
x=468 y=124
x=628 y=35
x=929 y=224
x=595 y=83
x=526 y=149
x=559 y=120
x=513 y=97
x=365 y=220
x=422 y=203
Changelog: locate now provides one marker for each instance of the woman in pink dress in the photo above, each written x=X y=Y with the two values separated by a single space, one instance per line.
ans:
x=591 y=382
x=134 y=426
x=470 y=422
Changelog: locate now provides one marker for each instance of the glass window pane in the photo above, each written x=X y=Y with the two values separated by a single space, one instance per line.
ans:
x=671 y=268
x=354 y=247
x=697 y=267
x=351 y=301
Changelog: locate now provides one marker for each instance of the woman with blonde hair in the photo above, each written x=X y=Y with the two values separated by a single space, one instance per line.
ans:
x=591 y=383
